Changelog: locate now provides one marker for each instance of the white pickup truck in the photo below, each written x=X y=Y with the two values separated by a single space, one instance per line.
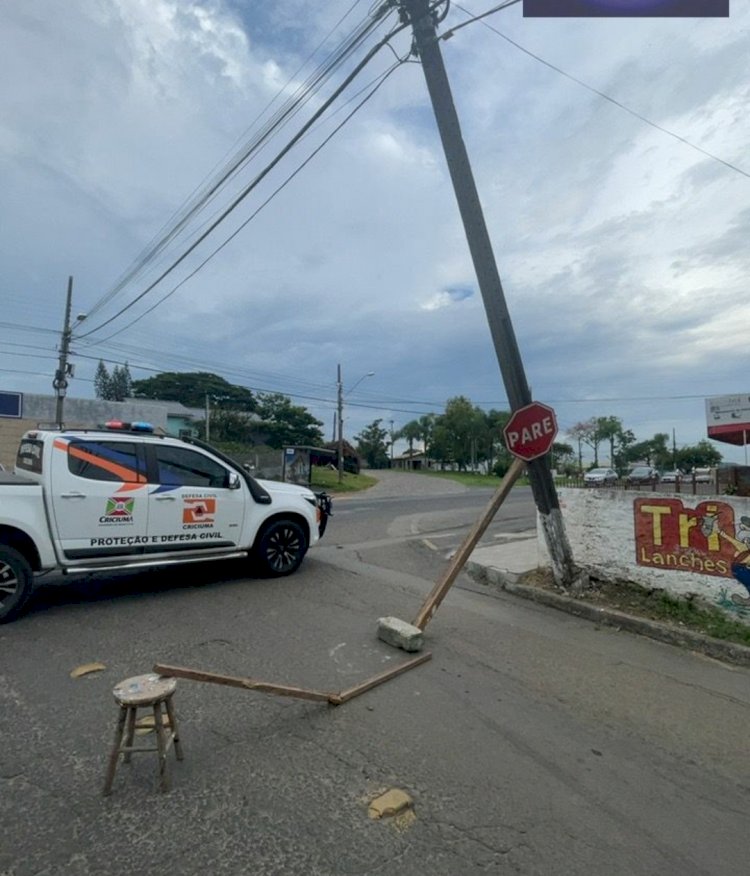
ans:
x=121 y=497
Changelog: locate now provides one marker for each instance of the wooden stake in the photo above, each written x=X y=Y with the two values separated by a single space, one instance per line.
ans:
x=436 y=596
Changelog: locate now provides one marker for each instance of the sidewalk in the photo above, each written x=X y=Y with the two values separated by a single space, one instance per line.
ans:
x=505 y=565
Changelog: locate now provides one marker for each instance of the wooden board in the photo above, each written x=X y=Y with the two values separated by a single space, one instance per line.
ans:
x=283 y=690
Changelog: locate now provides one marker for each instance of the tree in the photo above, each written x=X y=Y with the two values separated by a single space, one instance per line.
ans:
x=495 y=422
x=563 y=457
x=120 y=383
x=700 y=455
x=372 y=444
x=286 y=423
x=609 y=429
x=411 y=432
x=427 y=425
x=191 y=389
x=102 y=381
x=585 y=432
x=459 y=432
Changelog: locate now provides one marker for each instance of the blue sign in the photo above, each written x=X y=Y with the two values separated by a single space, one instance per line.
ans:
x=11 y=404
x=626 y=8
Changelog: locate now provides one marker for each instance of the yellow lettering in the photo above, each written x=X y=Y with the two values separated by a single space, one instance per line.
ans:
x=686 y=524
x=656 y=511
x=713 y=539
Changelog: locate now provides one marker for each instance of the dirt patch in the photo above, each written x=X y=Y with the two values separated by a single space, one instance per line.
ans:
x=683 y=613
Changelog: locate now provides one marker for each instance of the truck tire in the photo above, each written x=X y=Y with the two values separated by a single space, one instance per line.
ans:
x=280 y=548
x=16 y=580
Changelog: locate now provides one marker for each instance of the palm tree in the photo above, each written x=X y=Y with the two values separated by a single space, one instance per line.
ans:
x=412 y=432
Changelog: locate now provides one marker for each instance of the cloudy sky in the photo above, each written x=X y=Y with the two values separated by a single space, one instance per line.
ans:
x=623 y=250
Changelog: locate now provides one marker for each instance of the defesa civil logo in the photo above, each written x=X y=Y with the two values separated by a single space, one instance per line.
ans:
x=626 y=8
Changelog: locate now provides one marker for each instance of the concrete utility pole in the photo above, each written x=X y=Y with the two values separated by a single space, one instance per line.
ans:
x=60 y=383
x=423 y=21
x=340 y=389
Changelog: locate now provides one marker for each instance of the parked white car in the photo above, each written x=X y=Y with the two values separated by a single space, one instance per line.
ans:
x=600 y=477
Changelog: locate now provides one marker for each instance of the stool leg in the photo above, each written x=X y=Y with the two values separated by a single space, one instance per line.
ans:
x=130 y=733
x=173 y=725
x=115 y=753
x=161 y=746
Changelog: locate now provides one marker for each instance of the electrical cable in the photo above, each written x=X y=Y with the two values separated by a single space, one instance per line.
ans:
x=205 y=194
x=596 y=91
x=255 y=182
x=252 y=216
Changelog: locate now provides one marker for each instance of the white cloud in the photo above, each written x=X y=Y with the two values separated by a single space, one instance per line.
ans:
x=622 y=251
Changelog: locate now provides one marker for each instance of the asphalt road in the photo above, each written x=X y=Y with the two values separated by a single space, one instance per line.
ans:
x=531 y=743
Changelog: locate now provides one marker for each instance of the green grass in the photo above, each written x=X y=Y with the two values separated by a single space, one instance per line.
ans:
x=467 y=478
x=706 y=619
x=327 y=479
x=687 y=612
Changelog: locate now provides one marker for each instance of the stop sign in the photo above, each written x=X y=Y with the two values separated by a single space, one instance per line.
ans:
x=531 y=431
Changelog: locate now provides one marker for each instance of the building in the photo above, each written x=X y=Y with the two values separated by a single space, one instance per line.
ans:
x=38 y=411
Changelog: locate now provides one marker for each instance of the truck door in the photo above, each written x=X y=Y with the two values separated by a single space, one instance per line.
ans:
x=99 y=497
x=192 y=506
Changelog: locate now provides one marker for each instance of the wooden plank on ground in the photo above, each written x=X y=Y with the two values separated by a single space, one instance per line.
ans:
x=281 y=690
x=349 y=694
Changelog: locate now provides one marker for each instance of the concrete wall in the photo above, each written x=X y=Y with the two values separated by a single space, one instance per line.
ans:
x=685 y=545
x=39 y=410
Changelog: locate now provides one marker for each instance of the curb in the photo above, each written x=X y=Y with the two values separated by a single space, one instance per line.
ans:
x=729 y=652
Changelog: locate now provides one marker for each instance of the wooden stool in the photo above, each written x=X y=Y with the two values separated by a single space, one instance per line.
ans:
x=140 y=692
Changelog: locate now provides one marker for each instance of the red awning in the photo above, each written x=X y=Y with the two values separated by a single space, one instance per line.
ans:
x=731 y=433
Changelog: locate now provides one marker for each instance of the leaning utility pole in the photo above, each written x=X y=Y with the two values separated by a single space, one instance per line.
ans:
x=423 y=20
x=60 y=383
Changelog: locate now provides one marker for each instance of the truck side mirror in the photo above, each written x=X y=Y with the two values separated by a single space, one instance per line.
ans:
x=233 y=481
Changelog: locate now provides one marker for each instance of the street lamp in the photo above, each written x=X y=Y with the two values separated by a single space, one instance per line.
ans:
x=340 y=388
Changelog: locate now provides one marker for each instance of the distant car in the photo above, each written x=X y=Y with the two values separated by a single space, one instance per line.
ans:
x=643 y=474
x=702 y=475
x=600 y=477
x=672 y=477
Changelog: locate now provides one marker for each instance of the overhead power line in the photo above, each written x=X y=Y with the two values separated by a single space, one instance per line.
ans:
x=262 y=206
x=590 y=88
x=204 y=194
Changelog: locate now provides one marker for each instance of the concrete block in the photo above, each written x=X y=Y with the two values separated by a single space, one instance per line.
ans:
x=400 y=634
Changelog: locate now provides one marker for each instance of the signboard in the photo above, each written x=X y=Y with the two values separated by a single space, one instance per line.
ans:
x=531 y=431
x=728 y=418
x=626 y=8
x=11 y=404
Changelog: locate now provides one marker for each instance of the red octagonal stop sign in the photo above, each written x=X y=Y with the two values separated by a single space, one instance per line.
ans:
x=531 y=431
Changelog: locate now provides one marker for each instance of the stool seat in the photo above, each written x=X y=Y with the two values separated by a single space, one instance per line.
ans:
x=144 y=691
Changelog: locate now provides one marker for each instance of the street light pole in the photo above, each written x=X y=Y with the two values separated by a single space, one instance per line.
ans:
x=340 y=417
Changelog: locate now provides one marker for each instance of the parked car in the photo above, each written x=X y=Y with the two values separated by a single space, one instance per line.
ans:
x=643 y=474
x=703 y=475
x=600 y=477
x=672 y=477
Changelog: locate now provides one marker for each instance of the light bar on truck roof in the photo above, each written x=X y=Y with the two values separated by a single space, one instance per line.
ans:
x=121 y=426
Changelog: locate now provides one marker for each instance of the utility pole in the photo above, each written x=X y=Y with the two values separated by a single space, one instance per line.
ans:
x=208 y=419
x=341 y=424
x=427 y=45
x=60 y=383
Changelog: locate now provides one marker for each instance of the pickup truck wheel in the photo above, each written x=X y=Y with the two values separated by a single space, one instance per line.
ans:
x=281 y=548
x=15 y=583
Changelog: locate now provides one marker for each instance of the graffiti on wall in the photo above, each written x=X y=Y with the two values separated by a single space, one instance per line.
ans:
x=705 y=540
